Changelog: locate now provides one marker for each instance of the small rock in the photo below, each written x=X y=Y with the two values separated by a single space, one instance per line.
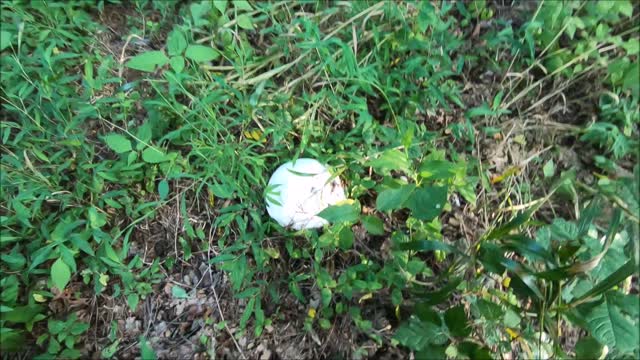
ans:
x=269 y=328
x=266 y=355
x=167 y=333
x=243 y=341
x=186 y=279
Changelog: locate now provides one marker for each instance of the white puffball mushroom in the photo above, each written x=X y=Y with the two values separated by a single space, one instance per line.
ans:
x=301 y=190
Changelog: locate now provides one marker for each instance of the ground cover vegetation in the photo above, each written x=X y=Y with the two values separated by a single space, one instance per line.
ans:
x=489 y=150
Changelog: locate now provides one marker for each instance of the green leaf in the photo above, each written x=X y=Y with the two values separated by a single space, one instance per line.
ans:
x=60 y=274
x=200 y=53
x=373 y=225
x=489 y=310
x=177 y=63
x=612 y=280
x=416 y=334
x=96 y=218
x=427 y=202
x=152 y=155
x=392 y=199
x=609 y=326
x=248 y=310
x=343 y=213
x=391 y=159
x=425 y=245
x=178 y=292
x=118 y=143
x=438 y=169
x=588 y=348
x=110 y=350
x=133 y=299
x=345 y=238
x=5 y=40
x=148 y=61
x=456 y=320
x=221 y=5
x=245 y=22
x=22 y=314
x=146 y=351
x=549 y=169
x=242 y=5
x=176 y=43
x=163 y=189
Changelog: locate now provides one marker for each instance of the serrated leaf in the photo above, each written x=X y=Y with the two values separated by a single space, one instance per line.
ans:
x=610 y=327
x=118 y=143
x=60 y=274
x=163 y=189
x=427 y=202
x=148 y=61
x=392 y=199
x=200 y=53
x=373 y=225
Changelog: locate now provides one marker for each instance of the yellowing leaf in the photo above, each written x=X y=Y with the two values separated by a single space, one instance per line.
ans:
x=311 y=313
x=508 y=173
x=512 y=333
x=365 y=297
x=103 y=279
x=506 y=282
x=345 y=202
x=39 y=298
x=254 y=134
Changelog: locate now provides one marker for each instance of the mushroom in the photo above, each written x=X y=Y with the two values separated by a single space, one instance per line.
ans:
x=298 y=191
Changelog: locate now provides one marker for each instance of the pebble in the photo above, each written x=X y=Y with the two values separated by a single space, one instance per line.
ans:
x=266 y=355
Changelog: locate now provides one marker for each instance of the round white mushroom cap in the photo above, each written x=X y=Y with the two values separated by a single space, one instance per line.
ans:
x=299 y=191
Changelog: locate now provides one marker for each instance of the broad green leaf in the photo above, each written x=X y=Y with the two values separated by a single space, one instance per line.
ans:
x=438 y=169
x=392 y=199
x=248 y=310
x=610 y=327
x=427 y=202
x=342 y=213
x=153 y=156
x=96 y=219
x=245 y=22
x=457 y=322
x=60 y=274
x=118 y=143
x=588 y=348
x=177 y=63
x=148 y=61
x=373 y=225
x=345 y=238
x=176 y=43
x=221 y=5
x=425 y=245
x=391 y=159
x=163 y=189
x=5 y=40
x=200 y=53
x=110 y=350
x=489 y=310
x=416 y=334
x=22 y=314
x=132 y=300
x=242 y=5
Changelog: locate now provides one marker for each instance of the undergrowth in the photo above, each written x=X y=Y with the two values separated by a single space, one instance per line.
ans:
x=452 y=123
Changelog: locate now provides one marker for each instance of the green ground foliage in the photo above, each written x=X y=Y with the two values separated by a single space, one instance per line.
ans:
x=490 y=150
